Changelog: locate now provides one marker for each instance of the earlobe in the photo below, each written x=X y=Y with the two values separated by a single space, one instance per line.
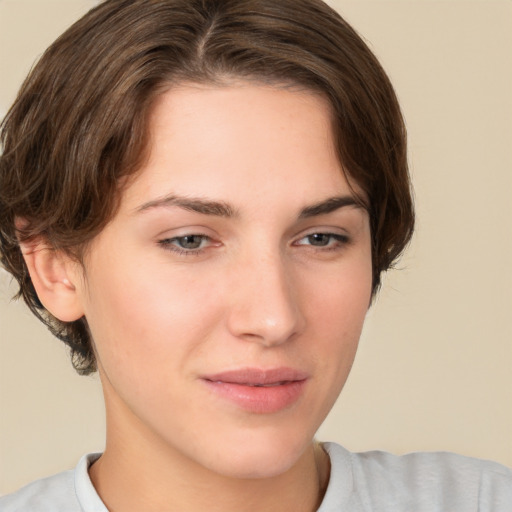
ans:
x=54 y=277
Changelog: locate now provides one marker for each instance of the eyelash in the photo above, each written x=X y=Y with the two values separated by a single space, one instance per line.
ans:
x=169 y=244
x=340 y=241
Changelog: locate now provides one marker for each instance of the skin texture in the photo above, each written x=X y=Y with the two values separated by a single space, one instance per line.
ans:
x=256 y=288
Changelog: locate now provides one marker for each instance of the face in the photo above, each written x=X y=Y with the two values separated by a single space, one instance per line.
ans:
x=227 y=296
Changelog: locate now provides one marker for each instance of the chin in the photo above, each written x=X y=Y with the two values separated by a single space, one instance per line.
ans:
x=257 y=458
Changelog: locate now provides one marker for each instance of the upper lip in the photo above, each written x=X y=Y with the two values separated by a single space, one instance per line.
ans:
x=258 y=376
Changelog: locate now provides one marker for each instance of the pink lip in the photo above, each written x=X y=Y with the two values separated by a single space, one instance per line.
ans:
x=259 y=390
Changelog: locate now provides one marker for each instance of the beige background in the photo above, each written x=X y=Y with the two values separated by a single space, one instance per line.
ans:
x=434 y=367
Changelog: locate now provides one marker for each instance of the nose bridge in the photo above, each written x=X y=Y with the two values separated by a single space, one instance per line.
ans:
x=265 y=307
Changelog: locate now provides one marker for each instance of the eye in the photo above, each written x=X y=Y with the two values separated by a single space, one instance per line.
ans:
x=189 y=241
x=192 y=243
x=324 y=240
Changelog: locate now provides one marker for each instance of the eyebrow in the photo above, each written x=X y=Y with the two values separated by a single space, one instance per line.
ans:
x=328 y=206
x=194 y=204
x=222 y=209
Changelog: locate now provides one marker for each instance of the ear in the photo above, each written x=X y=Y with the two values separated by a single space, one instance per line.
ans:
x=56 y=279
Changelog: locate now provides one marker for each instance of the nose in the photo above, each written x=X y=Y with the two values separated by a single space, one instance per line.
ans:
x=265 y=303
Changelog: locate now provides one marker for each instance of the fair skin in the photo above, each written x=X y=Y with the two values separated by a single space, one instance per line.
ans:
x=225 y=299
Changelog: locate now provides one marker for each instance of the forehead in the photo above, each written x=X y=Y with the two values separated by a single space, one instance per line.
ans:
x=239 y=142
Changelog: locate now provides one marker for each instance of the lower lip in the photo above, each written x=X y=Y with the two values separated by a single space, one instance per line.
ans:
x=259 y=399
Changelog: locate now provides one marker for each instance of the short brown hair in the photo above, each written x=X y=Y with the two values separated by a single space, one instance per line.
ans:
x=79 y=123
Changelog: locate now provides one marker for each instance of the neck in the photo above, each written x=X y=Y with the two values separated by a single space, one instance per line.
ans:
x=125 y=487
x=136 y=474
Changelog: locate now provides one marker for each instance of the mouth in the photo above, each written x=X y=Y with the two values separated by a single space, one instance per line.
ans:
x=258 y=376
x=273 y=384
x=261 y=391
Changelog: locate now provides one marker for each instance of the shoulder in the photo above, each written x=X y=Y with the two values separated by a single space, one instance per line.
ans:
x=54 y=493
x=426 y=481
x=63 y=492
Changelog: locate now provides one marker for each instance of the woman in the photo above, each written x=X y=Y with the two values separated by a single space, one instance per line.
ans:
x=199 y=198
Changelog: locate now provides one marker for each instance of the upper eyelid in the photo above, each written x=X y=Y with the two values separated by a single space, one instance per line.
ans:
x=191 y=233
x=180 y=232
x=324 y=230
x=334 y=231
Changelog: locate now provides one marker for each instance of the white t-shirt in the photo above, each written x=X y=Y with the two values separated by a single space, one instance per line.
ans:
x=359 y=482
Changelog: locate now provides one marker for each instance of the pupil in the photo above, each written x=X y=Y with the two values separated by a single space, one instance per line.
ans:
x=318 y=239
x=190 y=242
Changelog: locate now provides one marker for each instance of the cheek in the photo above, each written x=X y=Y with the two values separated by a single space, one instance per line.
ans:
x=342 y=296
x=337 y=312
x=148 y=332
x=138 y=318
